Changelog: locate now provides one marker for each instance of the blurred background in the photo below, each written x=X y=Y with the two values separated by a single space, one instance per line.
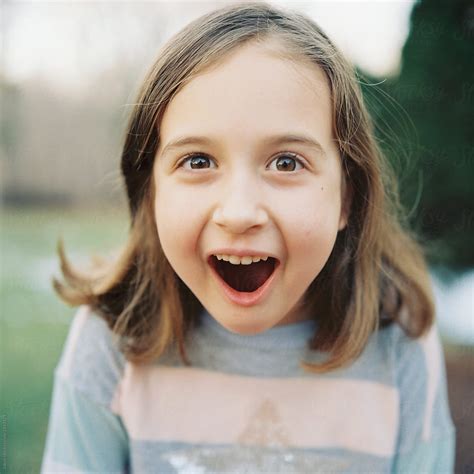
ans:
x=69 y=72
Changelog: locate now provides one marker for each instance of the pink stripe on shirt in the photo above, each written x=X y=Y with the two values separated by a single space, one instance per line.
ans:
x=182 y=404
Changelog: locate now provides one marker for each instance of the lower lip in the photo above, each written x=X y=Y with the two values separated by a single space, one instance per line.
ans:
x=244 y=298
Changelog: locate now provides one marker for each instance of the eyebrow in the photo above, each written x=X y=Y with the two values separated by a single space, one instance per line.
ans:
x=271 y=140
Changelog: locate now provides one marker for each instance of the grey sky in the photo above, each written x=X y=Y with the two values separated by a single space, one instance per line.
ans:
x=67 y=41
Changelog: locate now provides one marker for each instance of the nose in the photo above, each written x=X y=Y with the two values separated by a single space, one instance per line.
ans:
x=240 y=207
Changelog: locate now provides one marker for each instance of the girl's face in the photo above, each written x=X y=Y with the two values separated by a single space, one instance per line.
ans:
x=264 y=179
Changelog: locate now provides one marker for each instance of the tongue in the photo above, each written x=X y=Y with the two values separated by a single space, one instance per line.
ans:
x=246 y=278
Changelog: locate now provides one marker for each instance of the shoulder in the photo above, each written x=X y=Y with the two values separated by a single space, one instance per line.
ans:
x=420 y=376
x=417 y=358
x=91 y=361
x=408 y=356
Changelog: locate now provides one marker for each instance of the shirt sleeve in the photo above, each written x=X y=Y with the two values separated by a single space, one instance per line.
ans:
x=426 y=441
x=85 y=434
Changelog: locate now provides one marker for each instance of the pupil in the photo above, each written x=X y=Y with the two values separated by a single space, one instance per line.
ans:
x=199 y=160
x=286 y=165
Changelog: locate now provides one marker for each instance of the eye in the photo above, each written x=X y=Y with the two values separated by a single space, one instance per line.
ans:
x=288 y=162
x=196 y=161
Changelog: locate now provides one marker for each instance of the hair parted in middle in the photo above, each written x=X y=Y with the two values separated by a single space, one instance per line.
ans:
x=376 y=273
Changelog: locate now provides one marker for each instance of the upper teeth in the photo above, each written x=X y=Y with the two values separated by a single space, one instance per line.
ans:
x=235 y=260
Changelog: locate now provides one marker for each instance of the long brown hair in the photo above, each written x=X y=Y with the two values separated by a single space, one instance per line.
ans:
x=376 y=274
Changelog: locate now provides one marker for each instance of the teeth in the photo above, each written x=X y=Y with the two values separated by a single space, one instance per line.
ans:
x=247 y=260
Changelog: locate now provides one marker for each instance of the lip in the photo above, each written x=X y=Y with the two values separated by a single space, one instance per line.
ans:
x=244 y=298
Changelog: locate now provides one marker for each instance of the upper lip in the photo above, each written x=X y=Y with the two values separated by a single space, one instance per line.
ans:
x=241 y=253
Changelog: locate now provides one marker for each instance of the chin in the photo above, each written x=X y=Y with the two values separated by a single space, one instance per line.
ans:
x=249 y=329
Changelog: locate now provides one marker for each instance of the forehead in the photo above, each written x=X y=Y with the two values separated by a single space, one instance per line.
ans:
x=254 y=89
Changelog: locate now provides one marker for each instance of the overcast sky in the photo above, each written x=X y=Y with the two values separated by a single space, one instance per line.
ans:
x=65 y=41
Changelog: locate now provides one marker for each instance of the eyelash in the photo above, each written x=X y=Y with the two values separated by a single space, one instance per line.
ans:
x=292 y=155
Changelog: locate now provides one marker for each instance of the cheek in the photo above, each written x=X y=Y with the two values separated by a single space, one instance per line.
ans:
x=177 y=221
x=311 y=229
x=174 y=240
x=315 y=236
x=312 y=213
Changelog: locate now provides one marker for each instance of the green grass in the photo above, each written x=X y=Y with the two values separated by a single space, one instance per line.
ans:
x=34 y=322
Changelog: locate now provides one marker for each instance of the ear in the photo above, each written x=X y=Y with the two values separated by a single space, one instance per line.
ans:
x=346 y=201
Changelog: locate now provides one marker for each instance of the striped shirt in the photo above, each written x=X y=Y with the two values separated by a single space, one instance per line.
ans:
x=246 y=406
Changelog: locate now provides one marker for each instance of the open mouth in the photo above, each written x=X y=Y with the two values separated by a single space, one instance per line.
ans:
x=244 y=278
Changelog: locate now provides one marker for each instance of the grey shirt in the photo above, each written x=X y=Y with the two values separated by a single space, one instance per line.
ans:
x=246 y=405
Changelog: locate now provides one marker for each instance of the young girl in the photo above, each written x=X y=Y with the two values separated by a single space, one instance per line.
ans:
x=269 y=313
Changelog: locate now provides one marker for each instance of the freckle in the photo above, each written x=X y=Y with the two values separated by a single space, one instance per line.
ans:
x=322 y=188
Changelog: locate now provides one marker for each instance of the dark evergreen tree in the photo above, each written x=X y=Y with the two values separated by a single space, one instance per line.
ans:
x=425 y=121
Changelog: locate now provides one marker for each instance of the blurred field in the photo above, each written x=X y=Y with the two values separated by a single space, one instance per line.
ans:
x=34 y=324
